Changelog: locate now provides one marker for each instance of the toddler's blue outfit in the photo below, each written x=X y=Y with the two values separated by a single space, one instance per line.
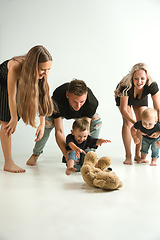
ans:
x=147 y=141
x=87 y=146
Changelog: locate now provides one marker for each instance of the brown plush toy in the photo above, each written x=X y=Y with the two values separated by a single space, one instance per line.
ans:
x=100 y=176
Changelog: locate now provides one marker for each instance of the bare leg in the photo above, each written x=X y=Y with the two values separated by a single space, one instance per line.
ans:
x=154 y=162
x=9 y=165
x=143 y=158
x=126 y=137
x=70 y=167
x=138 y=111
x=138 y=147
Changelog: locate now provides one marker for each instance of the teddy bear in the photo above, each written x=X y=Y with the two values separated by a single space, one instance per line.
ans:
x=100 y=176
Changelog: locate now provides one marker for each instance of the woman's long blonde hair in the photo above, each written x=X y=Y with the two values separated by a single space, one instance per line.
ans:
x=33 y=93
x=128 y=79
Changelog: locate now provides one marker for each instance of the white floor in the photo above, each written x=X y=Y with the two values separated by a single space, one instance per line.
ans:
x=45 y=204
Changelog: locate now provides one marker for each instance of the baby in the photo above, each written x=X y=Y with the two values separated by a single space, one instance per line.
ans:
x=79 y=142
x=148 y=125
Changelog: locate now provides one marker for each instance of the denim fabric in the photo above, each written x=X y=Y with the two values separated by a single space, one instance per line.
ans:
x=146 y=143
x=95 y=127
x=78 y=161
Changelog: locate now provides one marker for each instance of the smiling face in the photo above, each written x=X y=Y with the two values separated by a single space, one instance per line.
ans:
x=149 y=122
x=76 y=102
x=43 y=68
x=80 y=136
x=139 y=79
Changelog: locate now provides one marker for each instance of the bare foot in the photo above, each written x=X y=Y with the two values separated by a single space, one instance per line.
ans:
x=128 y=161
x=153 y=163
x=142 y=161
x=70 y=170
x=12 y=167
x=137 y=158
x=32 y=160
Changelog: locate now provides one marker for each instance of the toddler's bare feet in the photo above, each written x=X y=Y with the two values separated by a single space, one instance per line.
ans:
x=70 y=170
x=12 y=167
x=153 y=163
x=32 y=160
x=128 y=161
x=142 y=161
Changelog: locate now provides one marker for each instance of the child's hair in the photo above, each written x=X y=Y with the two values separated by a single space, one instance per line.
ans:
x=77 y=87
x=80 y=123
x=149 y=112
x=128 y=79
x=33 y=94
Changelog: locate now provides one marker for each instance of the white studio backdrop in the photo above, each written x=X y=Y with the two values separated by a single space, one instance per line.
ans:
x=97 y=41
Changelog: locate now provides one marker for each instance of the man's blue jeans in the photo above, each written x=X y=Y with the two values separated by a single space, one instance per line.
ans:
x=95 y=127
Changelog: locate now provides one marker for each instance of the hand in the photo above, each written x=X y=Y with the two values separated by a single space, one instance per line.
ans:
x=39 y=132
x=158 y=143
x=136 y=140
x=101 y=140
x=144 y=134
x=155 y=135
x=11 y=127
x=78 y=152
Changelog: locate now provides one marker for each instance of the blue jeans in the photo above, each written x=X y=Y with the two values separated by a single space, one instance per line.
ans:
x=78 y=161
x=95 y=127
x=146 y=143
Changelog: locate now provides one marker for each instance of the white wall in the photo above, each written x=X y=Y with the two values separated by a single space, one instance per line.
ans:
x=94 y=40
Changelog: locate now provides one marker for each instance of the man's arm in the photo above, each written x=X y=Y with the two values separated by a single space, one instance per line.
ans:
x=60 y=136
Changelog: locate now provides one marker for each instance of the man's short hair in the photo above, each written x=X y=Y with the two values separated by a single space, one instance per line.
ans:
x=77 y=87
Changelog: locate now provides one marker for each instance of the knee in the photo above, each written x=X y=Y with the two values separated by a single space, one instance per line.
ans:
x=49 y=124
x=96 y=120
x=127 y=124
x=154 y=148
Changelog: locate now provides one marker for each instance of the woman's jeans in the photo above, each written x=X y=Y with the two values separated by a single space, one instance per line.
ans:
x=95 y=127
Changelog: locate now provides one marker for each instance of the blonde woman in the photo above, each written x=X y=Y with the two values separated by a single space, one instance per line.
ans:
x=24 y=92
x=132 y=92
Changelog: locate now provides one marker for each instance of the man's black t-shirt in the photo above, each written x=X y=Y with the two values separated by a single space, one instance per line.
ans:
x=66 y=111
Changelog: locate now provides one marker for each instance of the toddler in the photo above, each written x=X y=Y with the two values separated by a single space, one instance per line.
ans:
x=148 y=126
x=79 y=142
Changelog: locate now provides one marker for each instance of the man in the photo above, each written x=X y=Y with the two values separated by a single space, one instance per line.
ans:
x=72 y=100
